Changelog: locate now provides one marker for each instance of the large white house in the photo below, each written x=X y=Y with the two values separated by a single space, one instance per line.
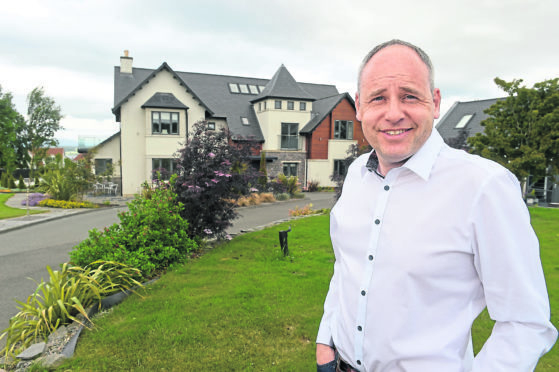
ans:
x=305 y=129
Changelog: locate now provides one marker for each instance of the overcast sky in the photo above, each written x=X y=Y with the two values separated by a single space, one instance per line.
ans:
x=70 y=47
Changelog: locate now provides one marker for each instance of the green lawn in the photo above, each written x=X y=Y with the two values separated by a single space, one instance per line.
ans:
x=242 y=306
x=9 y=212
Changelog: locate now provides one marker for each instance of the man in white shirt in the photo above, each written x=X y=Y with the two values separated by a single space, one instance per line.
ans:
x=425 y=237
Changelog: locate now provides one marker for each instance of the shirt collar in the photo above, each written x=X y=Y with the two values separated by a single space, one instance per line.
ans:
x=421 y=163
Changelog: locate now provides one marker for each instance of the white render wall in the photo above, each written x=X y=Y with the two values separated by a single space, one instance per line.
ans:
x=321 y=169
x=139 y=146
x=110 y=150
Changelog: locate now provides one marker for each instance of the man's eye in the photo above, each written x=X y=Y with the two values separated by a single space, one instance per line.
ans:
x=376 y=99
x=410 y=97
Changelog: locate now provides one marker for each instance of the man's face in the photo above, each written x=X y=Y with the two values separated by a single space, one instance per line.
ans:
x=395 y=105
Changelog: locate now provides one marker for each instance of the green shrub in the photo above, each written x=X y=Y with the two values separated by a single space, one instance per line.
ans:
x=12 y=182
x=290 y=183
x=4 y=180
x=65 y=204
x=151 y=235
x=20 y=183
x=283 y=196
x=68 y=292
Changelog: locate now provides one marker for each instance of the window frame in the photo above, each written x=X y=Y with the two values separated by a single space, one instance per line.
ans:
x=290 y=166
x=104 y=162
x=277 y=104
x=234 y=88
x=290 y=105
x=302 y=106
x=173 y=126
x=340 y=168
x=211 y=125
x=172 y=162
x=347 y=129
x=289 y=136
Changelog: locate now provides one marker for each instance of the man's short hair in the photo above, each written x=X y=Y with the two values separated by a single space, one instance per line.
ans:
x=424 y=57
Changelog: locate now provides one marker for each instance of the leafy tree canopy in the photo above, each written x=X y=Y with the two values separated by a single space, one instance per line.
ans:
x=522 y=130
x=11 y=123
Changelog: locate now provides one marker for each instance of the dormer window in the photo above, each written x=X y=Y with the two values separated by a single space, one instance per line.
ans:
x=164 y=122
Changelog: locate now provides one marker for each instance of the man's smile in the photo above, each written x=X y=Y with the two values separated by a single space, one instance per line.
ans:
x=395 y=132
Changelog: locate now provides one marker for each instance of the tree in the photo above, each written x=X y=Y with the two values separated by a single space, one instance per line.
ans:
x=212 y=173
x=43 y=121
x=522 y=130
x=460 y=141
x=11 y=123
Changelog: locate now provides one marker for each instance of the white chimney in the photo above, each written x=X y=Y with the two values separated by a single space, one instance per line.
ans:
x=125 y=63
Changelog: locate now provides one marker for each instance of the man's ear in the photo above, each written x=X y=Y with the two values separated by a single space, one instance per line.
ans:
x=357 y=106
x=437 y=101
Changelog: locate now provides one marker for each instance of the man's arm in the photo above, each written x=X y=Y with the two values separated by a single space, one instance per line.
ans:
x=508 y=263
x=324 y=354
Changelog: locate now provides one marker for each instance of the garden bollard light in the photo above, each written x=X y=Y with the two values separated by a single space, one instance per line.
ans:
x=283 y=241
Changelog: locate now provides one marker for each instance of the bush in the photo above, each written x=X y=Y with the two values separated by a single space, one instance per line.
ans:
x=290 y=183
x=305 y=211
x=213 y=174
x=283 y=196
x=64 y=204
x=4 y=180
x=20 y=183
x=66 y=182
x=34 y=199
x=11 y=182
x=267 y=197
x=313 y=186
x=68 y=292
x=151 y=235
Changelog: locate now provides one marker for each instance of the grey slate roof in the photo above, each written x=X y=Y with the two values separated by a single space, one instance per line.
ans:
x=447 y=125
x=322 y=108
x=164 y=100
x=214 y=95
x=283 y=85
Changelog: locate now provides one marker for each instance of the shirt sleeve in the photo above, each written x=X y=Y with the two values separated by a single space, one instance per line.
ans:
x=324 y=331
x=508 y=263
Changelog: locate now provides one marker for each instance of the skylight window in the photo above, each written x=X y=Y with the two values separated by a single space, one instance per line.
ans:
x=464 y=121
x=253 y=89
x=234 y=88
x=261 y=88
x=244 y=120
x=244 y=88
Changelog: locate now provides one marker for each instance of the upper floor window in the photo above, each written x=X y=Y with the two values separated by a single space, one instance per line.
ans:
x=290 y=105
x=211 y=125
x=264 y=105
x=244 y=88
x=302 y=106
x=253 y=89
x=277 y=105
x=343 y=129
x=289 y=136
x=164 y=122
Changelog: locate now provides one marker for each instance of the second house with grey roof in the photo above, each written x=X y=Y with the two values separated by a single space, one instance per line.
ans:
x=305 y=129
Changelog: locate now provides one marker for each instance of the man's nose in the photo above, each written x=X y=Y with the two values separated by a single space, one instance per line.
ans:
x=394 y=111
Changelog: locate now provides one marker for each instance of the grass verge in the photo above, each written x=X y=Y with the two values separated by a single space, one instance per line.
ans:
x=243 y=306
x=9 y=212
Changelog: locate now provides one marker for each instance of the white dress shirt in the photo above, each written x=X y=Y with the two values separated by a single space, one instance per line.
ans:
x=420 y=253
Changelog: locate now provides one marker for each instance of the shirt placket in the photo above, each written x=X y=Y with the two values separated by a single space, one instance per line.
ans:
x=372 y=248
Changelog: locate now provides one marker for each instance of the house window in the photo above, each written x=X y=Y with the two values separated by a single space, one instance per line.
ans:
x=302 y=106
x=340 y=168
x=290 y=169
x=211 y=125
x=253 y=89
x=164 y=122
x=101 y=166
x=259 y=106
x=464 y=121
x=164 y=166
x=277 y=105
x=244 y=121
x=233 y=88
x=290 y=105
x=264 y=105
x=343 y=129
x=244 y=88
x=289 y=136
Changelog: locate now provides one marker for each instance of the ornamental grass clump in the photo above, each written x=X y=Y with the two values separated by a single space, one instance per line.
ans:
x=68 y=293
x=151 y=235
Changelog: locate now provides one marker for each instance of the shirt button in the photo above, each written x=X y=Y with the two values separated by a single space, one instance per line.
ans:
x=370 y=257
x=358 y=362
x=386 y=187
x=359 y=328
x=377 y=221
x=363 y=293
